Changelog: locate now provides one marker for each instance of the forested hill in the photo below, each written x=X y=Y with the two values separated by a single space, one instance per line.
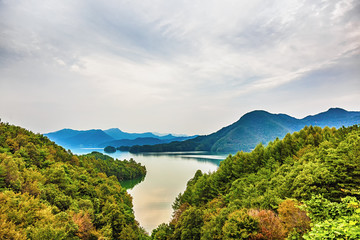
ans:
x=253 y=128
x=47 y=192
x=306 y=186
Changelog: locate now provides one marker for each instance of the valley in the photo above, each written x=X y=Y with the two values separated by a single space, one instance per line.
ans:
x=160 y=191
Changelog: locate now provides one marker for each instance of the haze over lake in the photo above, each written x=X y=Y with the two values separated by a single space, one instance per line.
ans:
x=167 y=175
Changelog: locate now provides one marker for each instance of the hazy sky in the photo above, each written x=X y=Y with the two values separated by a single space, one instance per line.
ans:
x=174 y=66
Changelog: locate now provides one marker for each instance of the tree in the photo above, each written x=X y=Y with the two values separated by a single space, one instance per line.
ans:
x=189 y=225
x=240 y=226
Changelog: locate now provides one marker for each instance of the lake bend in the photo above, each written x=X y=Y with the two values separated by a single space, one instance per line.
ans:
x=166 y=177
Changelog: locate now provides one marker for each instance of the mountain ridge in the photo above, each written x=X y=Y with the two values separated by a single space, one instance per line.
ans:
x=70 y=138
x=141 y=141
x=255 y=127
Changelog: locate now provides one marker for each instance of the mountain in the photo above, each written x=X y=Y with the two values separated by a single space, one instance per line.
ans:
x=253 y=128
x=76 y=138
x=335 y=117
x=64 y=133
x=70 y=138
x=118 y=134
x=142 y=141
x=132 y=142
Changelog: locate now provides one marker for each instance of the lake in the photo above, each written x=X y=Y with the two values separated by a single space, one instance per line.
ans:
x=167 y=175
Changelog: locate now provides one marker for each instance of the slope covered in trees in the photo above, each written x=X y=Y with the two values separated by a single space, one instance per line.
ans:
x=306 y=186
x=253 y=128
x=47 y=192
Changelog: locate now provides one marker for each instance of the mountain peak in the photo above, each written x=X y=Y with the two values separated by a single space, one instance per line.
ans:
x=113 y=129
x=261 y=115
x=336 y=110
x=256 y=114
x=331 y=112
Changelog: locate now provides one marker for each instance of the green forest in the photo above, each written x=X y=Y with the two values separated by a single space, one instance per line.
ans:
x=306 y=186
x=47 y=192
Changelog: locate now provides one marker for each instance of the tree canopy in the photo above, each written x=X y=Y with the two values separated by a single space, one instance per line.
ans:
x=47 y=192
x=289 y=189
x=305 y=186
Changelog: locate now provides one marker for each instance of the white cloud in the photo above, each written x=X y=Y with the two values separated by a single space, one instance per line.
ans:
x=169 y=65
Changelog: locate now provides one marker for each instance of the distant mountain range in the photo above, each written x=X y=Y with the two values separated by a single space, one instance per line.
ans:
x=253 y=128
x=118 y=134
x=70 y=138
x=143 y=141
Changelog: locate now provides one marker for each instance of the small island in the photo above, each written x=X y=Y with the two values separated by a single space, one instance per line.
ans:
x=109 y=149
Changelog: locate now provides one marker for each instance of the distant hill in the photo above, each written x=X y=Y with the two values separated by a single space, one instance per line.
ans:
x=335 y=117
x=253 y=128
x=118 y=134
x=132 y=142
x=142 y=141
x=70 y=138
x=75 y=138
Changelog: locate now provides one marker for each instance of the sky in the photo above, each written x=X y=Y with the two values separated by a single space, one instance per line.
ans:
x=180 y=66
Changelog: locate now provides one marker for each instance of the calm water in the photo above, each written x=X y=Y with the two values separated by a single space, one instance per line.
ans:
x=167 y=175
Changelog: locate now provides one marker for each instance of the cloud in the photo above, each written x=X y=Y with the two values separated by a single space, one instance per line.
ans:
x=170 y=66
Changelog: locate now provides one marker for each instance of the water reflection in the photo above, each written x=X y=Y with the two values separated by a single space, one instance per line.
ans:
x=130 y=184
x=167 y=175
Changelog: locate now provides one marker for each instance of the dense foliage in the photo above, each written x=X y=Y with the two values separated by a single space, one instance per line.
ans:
x=122 y=170
x=306 y=186
x=271 y=192
x=334 y=220
x=47 y=192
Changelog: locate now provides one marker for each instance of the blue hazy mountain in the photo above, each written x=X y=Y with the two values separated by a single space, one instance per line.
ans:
x=79 y=138
x=70 y=138
x=142 y=141
x=118 y=134
x=334 y=117
x=253 y=128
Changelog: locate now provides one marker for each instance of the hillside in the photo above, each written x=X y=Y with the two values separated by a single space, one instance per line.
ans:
x=252 y=128
x=47 y=192
x=306 y=186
